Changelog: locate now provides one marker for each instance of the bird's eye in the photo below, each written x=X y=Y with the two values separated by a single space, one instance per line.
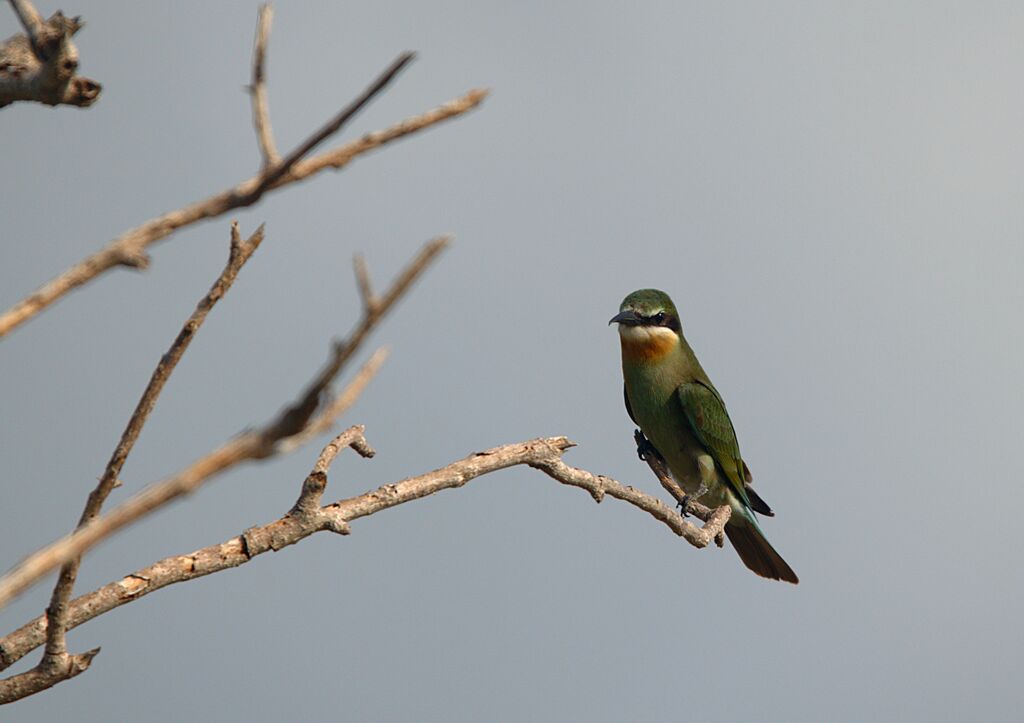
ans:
x=659 y=318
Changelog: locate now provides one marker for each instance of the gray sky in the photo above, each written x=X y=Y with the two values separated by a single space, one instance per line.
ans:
x=830 y=192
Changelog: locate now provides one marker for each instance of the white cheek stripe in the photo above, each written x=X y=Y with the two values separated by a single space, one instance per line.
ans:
x=645 y=334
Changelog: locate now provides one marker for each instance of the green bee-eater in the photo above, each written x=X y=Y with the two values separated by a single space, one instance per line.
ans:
x=671 y=398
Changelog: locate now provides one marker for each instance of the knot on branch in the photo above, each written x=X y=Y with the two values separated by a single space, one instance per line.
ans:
x=40 y=65
x=332 y=524
x=133 y=258
x=275 y=536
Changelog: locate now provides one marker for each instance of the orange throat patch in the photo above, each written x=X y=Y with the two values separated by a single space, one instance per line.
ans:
x=641 y=344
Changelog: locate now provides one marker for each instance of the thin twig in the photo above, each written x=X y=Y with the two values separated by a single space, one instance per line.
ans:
x=240 y=252
x=542 y=454
x=273 y=174
x=363 y=282
x=381 y=305
x=258 y=89
x=281 y=434
x=129 y=249
x=308 y=504
x=254 y=444
x=294 y=420
x=332 y=409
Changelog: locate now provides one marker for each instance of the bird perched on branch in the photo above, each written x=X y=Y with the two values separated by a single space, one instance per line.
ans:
x=670 y=397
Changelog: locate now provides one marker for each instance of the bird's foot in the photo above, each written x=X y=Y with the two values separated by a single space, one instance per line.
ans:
x=643 y=445
x=688 y=498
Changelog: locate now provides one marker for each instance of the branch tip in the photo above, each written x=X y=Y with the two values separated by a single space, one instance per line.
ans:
x=258 y=91
x=337 y=526
x=370 y=301
x=134 y=259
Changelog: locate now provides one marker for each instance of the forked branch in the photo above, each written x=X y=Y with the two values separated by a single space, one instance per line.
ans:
x=130 y=248
x=313 y=411
x=56 y=659
x=307 y=517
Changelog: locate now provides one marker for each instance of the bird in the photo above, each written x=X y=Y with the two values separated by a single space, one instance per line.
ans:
x=671 y=398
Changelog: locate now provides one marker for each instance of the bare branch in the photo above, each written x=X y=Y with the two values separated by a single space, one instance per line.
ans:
x=41 y=65
x=250 y=445
x=542 y=454
x=258 y=89
x=294 y=420
x=129 y=248
x=381 y=305
x=294 y=424
x=272 y=175
x=260 y=443
x=364 y=283
x=332 y=409
x=686 y=503
x=54 y=659
x=308 y=504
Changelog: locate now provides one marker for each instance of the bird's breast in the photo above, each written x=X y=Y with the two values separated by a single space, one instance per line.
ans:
x=652 y=397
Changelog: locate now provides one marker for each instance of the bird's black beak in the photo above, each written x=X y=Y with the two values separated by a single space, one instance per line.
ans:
x=628 y=317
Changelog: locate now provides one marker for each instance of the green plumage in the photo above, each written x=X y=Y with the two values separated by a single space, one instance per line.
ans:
x=710 y=422
x=669 y=395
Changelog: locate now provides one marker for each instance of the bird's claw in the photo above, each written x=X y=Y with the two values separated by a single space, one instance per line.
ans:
x=684 y=503
x=643 y=445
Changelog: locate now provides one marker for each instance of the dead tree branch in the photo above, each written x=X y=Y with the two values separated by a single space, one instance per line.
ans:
x=314 y=411
x=687 y=504
x=258 y=89
x=56 y=661
x=276 y=172
x=39 y=679
x=293 y=425
x=307 y=518
x=129 y=249
x=40 y=65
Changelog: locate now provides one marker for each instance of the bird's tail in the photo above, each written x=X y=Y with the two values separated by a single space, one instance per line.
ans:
x=755 y=551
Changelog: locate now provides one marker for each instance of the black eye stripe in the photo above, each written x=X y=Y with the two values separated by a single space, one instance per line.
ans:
x=662 y=318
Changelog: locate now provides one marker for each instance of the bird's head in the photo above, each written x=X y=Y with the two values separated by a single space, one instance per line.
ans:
x=648 y=324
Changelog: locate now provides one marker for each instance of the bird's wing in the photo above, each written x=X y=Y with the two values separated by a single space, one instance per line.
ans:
x=710 y=422
x=629 y=409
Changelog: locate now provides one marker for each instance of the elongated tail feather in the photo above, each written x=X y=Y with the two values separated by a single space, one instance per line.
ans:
x=755 y=551
x=757 y=504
